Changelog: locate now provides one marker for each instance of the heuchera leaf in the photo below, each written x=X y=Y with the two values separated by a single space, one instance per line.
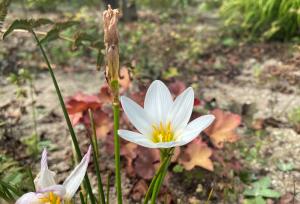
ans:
x=139 y=190
x=146 y=162
x=223 y=128
x=105 y=94
x=177 y=87
x=129 y=152
x=102 y=121
x=81 y=102
x=197 y=153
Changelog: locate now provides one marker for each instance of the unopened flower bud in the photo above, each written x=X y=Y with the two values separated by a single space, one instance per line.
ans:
x=111 y=41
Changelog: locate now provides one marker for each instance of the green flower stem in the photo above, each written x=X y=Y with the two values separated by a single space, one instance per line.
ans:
x=64 y=109
x=33 y=111
x=156 y=182
x=153 y=181
x=166 y=156
x=116 y=111
x=94 y=143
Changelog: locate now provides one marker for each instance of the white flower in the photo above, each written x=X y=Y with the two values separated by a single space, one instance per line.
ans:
x=48 y=192
x=163 y=123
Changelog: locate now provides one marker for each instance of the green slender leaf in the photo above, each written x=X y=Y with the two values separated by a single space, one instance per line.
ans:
x=57 y=28
x=26 y=24
x=93 y=140
x=21 y=24
x=81 y=37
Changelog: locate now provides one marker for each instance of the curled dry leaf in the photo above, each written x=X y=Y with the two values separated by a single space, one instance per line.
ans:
x=125 y=80
x=223 y=128
x=197 y=153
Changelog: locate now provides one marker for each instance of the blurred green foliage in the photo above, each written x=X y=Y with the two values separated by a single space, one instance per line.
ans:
x=13 y=178
x=50 y=5
x=294 y=116
x=164 y=3
x=259 y=190
x=269 y=19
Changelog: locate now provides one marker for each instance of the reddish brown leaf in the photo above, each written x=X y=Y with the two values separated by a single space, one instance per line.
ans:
x=105 y=95
x=146 y=162
x=175 y=154
x=102 y=121
x=139 y=190
x=288 y=198
x=125 y=80
x=197 y=153
x=223 y=128
x=177 y=87
x=138 y=97
x=81 y=102
x=197 y=102
x=128 y=150
x=75 y=118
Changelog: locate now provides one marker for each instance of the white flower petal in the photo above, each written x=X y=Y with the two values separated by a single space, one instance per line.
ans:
x=72 y=183
x=136 y=114
x=182 y=109
x=136 y=138
x=167 y=144
x=31 y=197
x=194 y=128
x=45 y=177
x=58 y=190
x=158 y=101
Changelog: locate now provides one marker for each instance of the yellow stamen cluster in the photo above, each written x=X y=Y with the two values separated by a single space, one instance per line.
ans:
x=51 y=198
x=162 y=133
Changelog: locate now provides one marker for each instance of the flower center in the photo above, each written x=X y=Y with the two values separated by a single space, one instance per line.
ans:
x=51 y=198
x=162 y=133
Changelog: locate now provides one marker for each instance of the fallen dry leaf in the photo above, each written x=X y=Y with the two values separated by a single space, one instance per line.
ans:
x=103 y=122
x=81 y=102
x=197 y=153
x=146 y=162
x=176 y=154
x=176 y=87
x=128 y=150
x=138 y=97
x=76 y=118
x=125 y=80
x=139 y=190
x=105 y=95
x=223 y=128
